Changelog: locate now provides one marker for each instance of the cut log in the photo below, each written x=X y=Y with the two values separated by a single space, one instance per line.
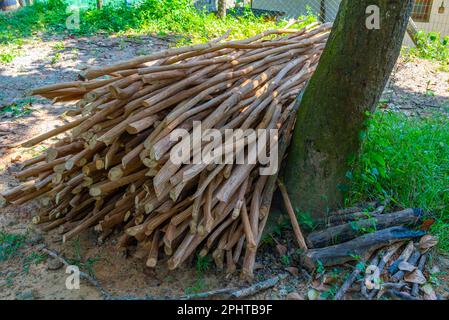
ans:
x=346 y=232
x=351 y=250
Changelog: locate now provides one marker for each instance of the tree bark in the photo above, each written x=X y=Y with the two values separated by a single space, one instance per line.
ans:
x=349 y=231
x=347 y=84
x=351 y=250
x=99 y=4
x=221 y=8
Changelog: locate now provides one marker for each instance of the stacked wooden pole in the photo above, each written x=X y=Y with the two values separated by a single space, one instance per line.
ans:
x=113 y=170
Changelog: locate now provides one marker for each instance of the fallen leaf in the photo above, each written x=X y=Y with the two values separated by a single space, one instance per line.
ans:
x=372 y=277
x=425 y=226
x=320 y=286
x=294 y=271
x=281 y=249
x=405 y=266
x=429 y=293
x=427 y=242
x=313 y=294
x=415 y=277
x=329 y=279
x=294 y=296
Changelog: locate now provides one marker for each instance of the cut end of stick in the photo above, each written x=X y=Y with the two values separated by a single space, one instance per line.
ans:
x=151 y=262
x=52 y=154
x=95 y=191
x=69 y=164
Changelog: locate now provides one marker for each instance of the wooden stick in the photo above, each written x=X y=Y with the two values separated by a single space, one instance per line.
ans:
x=296 y=229
x=348 y=251
x=52 y=133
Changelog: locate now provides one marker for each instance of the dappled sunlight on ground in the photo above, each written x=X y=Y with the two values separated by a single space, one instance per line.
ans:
x=418 y=87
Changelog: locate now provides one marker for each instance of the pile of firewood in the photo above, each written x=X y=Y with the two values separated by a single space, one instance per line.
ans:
x=374 y=240
x=112 y=168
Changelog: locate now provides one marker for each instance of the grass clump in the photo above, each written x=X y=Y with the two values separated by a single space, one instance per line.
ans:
x=202 y=265
x=406 y=159
x=17 y=109
x=10 y=244
x=78 y=260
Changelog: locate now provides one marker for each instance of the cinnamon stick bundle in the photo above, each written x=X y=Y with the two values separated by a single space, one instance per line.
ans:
x=115 y=169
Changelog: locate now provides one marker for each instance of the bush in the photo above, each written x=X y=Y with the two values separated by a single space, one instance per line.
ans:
x=431 y=46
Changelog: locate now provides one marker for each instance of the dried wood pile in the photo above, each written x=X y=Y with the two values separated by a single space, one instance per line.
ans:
x=112 y=169
x=397 y=270
x=390 y=256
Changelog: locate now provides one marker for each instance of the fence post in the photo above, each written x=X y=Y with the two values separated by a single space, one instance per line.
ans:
x=222 y=8
x=323 y=11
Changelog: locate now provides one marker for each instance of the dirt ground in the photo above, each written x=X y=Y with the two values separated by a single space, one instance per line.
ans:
x=416 y=87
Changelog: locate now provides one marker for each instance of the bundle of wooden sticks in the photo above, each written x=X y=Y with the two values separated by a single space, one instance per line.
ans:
x=112 y=170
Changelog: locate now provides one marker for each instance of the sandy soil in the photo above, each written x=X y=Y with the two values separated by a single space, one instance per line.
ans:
x=416 y=87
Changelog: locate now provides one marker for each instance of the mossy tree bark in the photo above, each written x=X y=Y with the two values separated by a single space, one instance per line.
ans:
x=348 y=83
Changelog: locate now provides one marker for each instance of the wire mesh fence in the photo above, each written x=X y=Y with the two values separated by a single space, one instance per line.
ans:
x=432 y=15
x=429 y=15
x=325 y=9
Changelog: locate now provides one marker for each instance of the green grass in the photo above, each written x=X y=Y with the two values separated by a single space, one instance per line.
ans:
x=157 y=17
x=10 y=51
x=78 y=260
x=10 y=244
x=202 y=265
x=18 y=109
x=7 y=57
x=160 y=17
x=406 y=159
x=34 y=258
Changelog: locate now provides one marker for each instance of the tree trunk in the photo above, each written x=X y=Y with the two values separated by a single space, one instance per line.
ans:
x=347 y=84
x=99 y=4
x=222 y=8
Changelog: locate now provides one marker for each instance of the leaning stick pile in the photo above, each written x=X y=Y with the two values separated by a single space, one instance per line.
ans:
x=112 y=169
